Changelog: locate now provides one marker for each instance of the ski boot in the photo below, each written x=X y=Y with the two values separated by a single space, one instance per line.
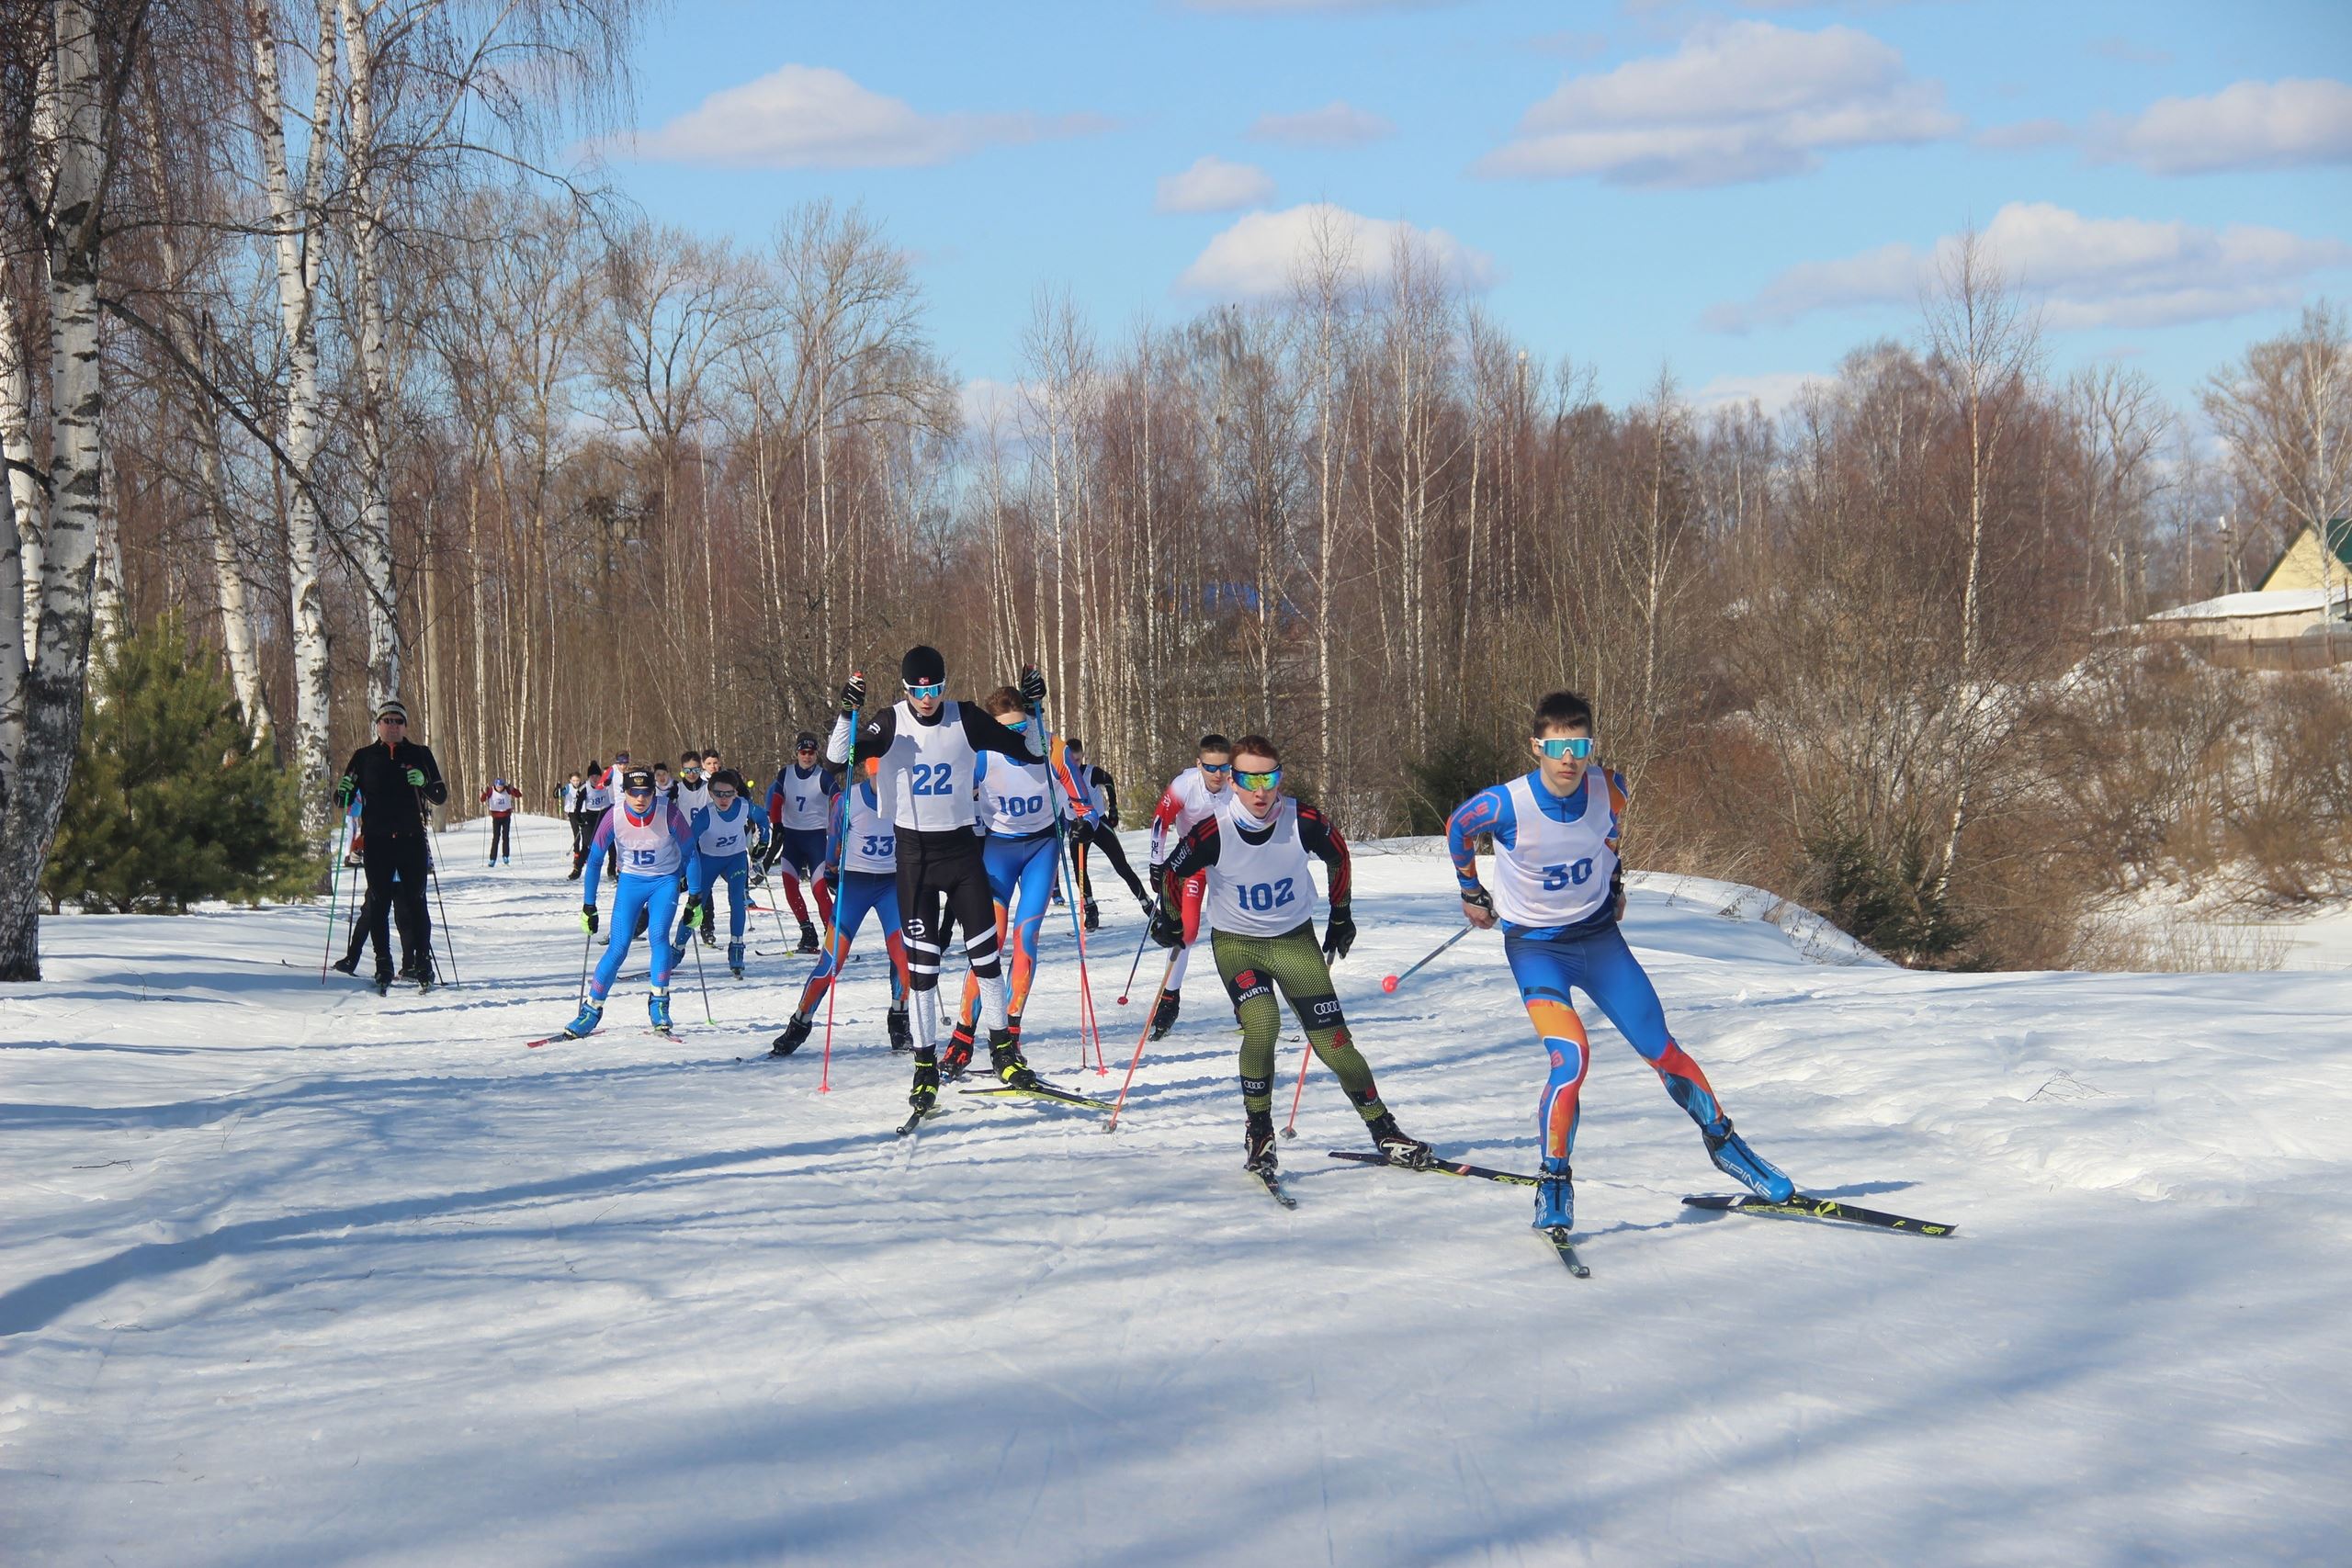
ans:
x=807 y=938
x=383 y=982
x=1093 y=916
x=735 y=959
x=420 y=971
x=902 y=1033
x=1394 y=1145
x=1163 y=1015
x=506 y=859
x=1736 y=1159
x=755 y=876
x=795 y=1032
x=925 y=1094
x=491 y=863
x=592 y=1014
x=348 y=964
x=958 y=1055
x=1258 y=1144
x=1556 y=1198
x=1005 y=1058
x=657 y=1007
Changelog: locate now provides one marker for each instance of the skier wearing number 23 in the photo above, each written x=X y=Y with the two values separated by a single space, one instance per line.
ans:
x=928 y=746
x=649 y=838
x=1257 y=899
x=1558 y=895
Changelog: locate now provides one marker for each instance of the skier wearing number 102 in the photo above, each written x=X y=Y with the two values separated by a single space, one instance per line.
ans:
x=1559 y=897
x=1257 y=899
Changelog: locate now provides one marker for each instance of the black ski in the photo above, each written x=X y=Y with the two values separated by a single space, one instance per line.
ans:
x=1274 y=1185
x=1439 y=1168
x=1558 y=1236
x=1803 y=1207
x=1043 y=1091
x=916 y=1120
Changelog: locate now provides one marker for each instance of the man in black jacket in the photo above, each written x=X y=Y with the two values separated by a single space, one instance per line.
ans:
x=394 y=779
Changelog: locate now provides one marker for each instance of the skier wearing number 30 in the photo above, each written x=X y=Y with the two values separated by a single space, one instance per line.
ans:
x=1558 y=895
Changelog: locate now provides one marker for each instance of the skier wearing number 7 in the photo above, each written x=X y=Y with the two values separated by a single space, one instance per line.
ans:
x=1257 y=899
x=1558 y=895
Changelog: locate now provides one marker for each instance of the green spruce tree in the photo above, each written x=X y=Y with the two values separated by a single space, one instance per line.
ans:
x=170 y=804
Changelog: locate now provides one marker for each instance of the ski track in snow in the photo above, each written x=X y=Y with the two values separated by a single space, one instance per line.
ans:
x=295 y=1274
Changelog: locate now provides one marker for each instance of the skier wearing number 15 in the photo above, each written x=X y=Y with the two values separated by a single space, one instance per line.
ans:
x=1558 y=895
x=928 y=746
x=1256 y=900
x=649 y=838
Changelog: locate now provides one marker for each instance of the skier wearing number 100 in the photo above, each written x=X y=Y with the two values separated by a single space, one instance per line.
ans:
x=1256 y=899
x=1558 y=895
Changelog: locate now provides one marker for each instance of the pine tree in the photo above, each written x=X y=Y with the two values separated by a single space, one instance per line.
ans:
x=170 y=804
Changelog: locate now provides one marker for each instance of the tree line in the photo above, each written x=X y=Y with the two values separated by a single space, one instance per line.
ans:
x=301 y=342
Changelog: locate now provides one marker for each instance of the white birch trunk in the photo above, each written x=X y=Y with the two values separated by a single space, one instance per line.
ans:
x=49 y=694
x=28 y=519
x=375 y=537
x=294 y=226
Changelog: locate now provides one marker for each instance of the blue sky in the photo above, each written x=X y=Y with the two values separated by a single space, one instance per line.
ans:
x=1740 y=190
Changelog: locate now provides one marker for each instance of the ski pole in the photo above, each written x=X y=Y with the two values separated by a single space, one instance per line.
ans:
x=1140 y=942
x=833 y=991
x=1290 y=1128
x=1088 y=1024
x=1141 y=1035
x=449 y=942
x=585 y=938
x=335 y=882
x=694 y=940
x=1393 y=981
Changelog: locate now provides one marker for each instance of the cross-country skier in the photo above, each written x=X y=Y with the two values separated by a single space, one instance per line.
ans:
x=1021 y=802
x=1558 y=895
x=928 y=746
x=501 y=801
x=861 y=859
x=726 y=832
x=596 y=799
x=799 y=804
x=571 y=799
x=692 y=791
x=1258 y=903
x=1192 y=796
x=649 y=838
x=395 y=780
x=1100 y=829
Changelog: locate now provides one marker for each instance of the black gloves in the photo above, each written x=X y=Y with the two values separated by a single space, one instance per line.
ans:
x=1031 y=687
x=1338 y=934
x=1166 y=925
x=1478 y=897
x=853 y=693
x=588 y=916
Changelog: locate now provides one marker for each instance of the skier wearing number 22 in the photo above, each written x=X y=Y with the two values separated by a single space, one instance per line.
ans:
x=1257 y=899
x=928 y=747
x=1559 y=897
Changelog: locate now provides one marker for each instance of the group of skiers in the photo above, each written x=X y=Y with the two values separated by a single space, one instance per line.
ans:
x=960 y=818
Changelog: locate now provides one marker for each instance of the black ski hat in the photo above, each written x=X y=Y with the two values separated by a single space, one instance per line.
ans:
x=637 y=778
x=922 y=666
x=805 y=739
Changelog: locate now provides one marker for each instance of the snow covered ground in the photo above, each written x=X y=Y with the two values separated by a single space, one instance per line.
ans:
x=294 y=1275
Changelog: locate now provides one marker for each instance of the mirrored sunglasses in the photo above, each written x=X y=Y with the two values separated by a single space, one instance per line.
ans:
x=1576 y=746
x=931 y=690
x=1258 y=780
x=1216 y=767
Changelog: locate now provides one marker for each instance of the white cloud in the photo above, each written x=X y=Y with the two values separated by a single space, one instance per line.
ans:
x=811 y=116
x=2084 y=272
x=1214 y=184
x=1258 y=256
x=1742 y=101
x=2247 y=125
x=1336 y=124
x=1773 y=391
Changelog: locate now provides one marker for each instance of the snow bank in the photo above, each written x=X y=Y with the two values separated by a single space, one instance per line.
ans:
x=299 y=1275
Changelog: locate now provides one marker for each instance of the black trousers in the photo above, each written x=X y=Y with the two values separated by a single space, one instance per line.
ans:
x=502 y=834
x=1108 y=840
x=396 y=871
